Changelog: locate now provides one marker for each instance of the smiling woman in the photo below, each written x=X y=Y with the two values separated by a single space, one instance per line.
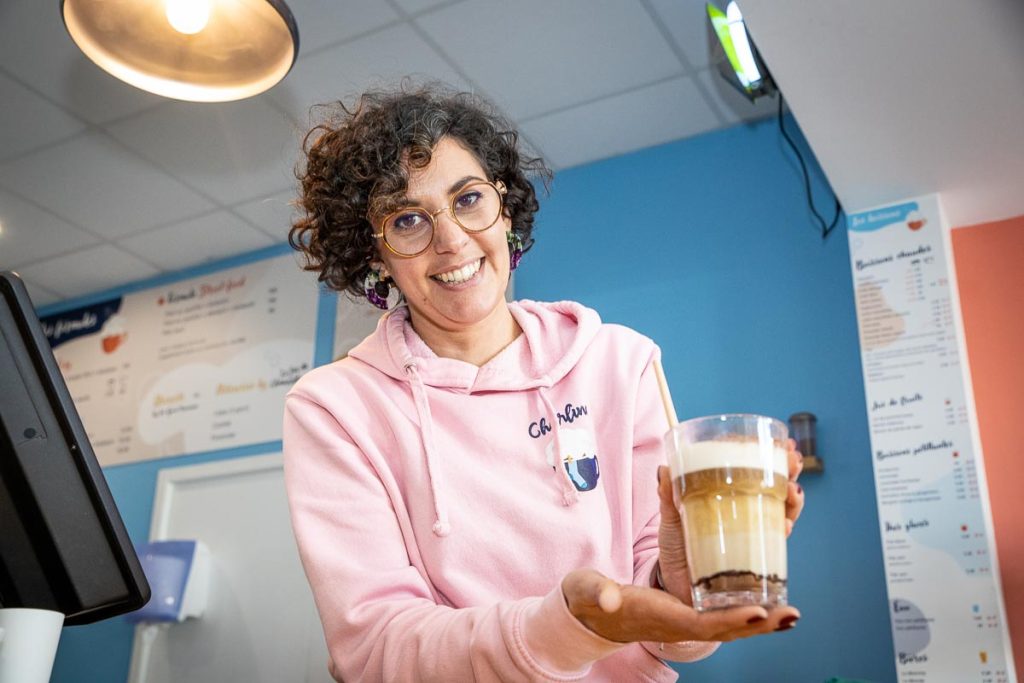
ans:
x=473 y=488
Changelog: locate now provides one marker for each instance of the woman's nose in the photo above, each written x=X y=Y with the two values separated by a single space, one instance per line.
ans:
x=448 y=234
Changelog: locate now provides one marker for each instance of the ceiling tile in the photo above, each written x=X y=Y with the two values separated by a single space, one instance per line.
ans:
x=36 y=49
x=30 y=234
x=687 y=22
x=734 y=106
x=548 y=55
x=231 y=151
x=29 y=120
x=344 y=72
x=273 y=215
x=40 y=296
x=94 y=182
x=327 y=22
x=87 y=271
x=656 y=114
x=414 y=6
x=207 y=238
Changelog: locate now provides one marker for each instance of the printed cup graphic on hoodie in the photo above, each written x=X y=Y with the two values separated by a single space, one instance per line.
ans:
x=579 y=457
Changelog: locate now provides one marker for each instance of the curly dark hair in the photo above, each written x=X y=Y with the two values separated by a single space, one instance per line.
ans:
x=357 y=161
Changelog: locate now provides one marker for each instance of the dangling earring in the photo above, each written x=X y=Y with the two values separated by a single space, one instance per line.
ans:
x=377 y=289
x=515 y=249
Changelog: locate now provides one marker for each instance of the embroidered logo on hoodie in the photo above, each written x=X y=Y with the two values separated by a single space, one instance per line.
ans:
x=579 y=457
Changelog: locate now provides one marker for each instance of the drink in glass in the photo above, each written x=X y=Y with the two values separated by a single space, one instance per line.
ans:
x=730 y=476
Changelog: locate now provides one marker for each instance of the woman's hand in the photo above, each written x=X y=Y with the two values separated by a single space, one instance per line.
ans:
x=626 y=613
x=795 y=494
x=630 y=613
x=672 y=543
x=675 y=574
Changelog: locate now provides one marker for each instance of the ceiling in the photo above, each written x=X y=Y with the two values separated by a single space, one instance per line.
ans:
x=102 y=184
x=900 y=99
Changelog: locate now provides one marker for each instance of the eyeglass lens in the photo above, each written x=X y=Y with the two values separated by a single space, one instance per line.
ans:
x=475 y=208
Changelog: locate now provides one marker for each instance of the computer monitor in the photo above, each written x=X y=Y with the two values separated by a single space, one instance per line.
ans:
x=63 y=546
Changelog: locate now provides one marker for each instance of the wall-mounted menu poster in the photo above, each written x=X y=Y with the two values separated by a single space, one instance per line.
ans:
x=197 y=365
x=945 y=603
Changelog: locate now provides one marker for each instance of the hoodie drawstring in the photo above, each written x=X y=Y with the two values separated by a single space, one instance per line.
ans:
x=441 y=526
x=570 y=496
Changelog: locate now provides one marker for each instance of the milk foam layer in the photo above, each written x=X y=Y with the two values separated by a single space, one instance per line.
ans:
x=739 y=452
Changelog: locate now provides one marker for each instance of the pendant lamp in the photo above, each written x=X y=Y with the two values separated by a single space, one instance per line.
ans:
x=198 y=50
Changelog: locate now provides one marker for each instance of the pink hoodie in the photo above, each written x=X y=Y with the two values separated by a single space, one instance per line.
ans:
x=433 y=525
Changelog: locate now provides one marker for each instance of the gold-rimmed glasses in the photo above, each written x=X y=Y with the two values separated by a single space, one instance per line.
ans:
x=474 y=207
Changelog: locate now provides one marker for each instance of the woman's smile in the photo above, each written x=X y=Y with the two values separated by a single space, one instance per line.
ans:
x=458 y=277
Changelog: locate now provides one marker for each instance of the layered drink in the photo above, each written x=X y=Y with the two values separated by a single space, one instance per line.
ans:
x=730 y=476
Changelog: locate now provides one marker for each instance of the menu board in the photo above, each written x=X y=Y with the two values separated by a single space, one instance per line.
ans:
x=197 y=365
x=945 y=603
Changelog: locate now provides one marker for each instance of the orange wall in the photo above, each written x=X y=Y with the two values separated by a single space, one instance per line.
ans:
x=990 y=271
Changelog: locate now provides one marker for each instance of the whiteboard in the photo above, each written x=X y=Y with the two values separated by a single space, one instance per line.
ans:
x=260 y=624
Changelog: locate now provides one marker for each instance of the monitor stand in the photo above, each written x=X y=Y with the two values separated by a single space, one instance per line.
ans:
x=28 y=643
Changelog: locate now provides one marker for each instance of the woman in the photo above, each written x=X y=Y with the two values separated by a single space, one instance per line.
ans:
x=473 y=488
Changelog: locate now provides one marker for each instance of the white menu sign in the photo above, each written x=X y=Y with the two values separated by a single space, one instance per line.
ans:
x=196 y=365
x=945 y=602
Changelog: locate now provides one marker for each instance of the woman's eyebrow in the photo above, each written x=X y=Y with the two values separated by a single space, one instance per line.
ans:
x=461 y=182
x=455 y=187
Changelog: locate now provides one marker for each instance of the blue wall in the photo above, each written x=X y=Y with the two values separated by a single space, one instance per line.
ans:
x=708 y=247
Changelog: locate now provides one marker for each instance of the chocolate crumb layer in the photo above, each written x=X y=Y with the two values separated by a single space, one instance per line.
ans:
x=733 y=580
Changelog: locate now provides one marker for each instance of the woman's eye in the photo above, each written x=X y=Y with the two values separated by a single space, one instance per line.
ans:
x=408 y=221
x=467 y=199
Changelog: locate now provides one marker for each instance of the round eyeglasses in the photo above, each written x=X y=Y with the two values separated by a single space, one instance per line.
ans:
x=474 y=207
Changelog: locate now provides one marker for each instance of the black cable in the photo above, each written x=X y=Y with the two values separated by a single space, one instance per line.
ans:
x=825 y=230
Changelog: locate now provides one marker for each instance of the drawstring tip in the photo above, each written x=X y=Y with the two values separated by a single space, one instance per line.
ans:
x=442 y=528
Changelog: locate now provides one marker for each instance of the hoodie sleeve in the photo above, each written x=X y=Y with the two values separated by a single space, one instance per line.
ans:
x=380 y=618
x=649 y=452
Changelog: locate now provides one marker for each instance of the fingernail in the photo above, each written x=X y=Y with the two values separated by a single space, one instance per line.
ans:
x=799 y=489
x=787 y=623
x=755 y=619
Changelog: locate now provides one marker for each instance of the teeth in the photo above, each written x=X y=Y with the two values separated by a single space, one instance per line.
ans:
x=461 y=275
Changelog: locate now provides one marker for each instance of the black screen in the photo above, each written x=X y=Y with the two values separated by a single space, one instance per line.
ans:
x=63 y=546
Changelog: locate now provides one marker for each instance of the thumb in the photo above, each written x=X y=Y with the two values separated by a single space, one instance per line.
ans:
x=609 y=596
x=586 y=589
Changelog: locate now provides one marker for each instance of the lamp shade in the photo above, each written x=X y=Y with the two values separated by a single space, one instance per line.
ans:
x=198 y=50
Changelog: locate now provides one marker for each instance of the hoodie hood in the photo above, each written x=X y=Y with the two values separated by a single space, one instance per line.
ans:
x=555 y=336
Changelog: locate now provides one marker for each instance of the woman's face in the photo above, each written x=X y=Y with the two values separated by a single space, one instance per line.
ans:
x=435 y=283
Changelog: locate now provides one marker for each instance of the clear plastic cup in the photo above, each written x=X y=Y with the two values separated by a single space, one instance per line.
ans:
x=729 y=477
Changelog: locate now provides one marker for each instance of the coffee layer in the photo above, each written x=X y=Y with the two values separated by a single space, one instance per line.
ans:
x=735 y=524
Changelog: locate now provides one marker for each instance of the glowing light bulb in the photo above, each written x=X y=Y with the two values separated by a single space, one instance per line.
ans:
x=188 y=16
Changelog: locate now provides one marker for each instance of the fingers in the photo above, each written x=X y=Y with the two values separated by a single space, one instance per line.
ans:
x=794 y=505
x=796 y=460
x=744 y=622
x=668 y=507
